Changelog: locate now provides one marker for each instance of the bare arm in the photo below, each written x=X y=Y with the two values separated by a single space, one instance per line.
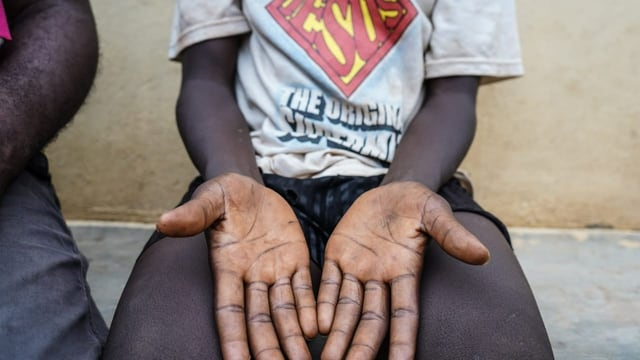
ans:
x=210 y=122
x=440 y=135
x=373 y=259
x=259 y=258
x=46 y=72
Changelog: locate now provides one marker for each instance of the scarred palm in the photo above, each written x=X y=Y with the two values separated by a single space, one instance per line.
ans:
x=376 y=252
x=260 y=265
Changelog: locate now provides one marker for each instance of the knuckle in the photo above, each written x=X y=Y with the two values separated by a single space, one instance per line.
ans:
x=346 y=300
x=373 y=316
x=268 y=353
x=404 y=313
x=287 y=306
x=362 y=349
x=232 y=308
x=260 y=318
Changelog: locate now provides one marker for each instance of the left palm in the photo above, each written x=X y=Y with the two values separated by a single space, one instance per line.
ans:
x=379 y=245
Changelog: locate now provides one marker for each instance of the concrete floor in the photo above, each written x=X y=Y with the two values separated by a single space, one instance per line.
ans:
x=587 y=282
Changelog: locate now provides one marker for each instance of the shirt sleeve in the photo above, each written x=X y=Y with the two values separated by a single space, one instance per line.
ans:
x=195 y=21
x=474 y=37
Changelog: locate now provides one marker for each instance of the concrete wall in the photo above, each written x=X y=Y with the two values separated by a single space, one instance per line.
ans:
x=557 y=148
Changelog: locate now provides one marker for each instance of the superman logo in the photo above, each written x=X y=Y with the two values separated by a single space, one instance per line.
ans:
x=346 y=38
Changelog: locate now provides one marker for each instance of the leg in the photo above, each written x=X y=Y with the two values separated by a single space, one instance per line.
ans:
x=166 y=309
x=485 y=312
x=46 y=310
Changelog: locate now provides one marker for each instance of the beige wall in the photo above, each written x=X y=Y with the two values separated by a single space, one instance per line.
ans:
x=557 y=148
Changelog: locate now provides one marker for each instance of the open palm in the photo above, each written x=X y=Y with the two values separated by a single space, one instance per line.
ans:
x=376 y=253
x=260 y=264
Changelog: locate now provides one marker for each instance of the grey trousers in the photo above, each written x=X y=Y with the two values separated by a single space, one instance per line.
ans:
x=46 y=310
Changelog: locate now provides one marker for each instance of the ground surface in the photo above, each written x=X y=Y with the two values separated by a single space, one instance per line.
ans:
x=587 y=282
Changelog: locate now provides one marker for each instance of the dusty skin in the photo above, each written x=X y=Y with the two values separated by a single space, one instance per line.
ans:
x=375 y=253
x=373 y=259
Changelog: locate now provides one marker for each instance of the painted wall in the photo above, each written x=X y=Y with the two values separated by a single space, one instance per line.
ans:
x=557 y=148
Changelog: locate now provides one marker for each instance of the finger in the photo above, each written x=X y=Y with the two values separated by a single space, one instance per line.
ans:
x=262 y=336
x=346 y=318
x=229 y=314
x=305 y=302
x=452 y=237
x=374 y=322
x=283 y=310
x=196 y=215
x=328 y=295
x=404 y=317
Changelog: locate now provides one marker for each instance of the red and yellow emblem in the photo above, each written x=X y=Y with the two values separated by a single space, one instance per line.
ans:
x=346 y=38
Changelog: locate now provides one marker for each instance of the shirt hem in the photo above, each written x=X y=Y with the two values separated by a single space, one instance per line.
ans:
x=490 y=71
x=206 y=31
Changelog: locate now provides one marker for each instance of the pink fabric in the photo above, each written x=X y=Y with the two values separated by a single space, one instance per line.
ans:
x=4 y=27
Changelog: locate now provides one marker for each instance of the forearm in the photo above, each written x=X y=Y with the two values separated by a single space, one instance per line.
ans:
x=46 y=72
x=210 y=122
x=213 y=130
x=439 y=137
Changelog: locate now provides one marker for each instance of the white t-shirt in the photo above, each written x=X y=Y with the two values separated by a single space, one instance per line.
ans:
x=328 y=87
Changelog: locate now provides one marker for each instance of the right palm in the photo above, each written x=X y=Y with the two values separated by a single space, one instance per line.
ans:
x=260 y=264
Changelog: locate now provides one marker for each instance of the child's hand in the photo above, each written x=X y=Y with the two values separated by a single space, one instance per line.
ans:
x=376 y=252
x=260 y=264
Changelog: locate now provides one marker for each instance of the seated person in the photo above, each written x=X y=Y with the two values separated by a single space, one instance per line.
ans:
x=327 y=134
x=48 y=60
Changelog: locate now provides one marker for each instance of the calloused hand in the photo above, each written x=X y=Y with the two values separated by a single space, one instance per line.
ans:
x=376 y=252
x=260 y=264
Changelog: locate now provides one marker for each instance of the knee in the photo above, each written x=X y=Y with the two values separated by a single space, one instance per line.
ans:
x=501 y=323
x=479 y=311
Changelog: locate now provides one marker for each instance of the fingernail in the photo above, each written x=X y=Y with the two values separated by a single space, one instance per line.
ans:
x=488 y=259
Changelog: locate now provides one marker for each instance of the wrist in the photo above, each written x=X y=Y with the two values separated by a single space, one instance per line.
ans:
x=431 y=180
x=213 y=171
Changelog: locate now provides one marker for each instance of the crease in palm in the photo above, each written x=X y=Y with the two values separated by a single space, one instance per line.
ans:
x=369 y=289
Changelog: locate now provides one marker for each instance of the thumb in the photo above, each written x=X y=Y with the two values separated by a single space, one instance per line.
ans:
x=196 y=215
x=452 y=237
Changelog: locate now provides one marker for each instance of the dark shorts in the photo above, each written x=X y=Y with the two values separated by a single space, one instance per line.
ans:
x=320 y=203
